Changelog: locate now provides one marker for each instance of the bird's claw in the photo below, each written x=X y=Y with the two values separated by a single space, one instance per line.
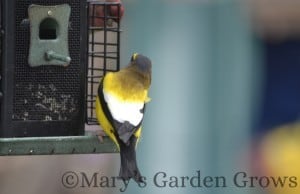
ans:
x=100 y=134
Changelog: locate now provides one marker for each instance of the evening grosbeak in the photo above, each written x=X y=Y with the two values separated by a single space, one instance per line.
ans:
x=120 y=107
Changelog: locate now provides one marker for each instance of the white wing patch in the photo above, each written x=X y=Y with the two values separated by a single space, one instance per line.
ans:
x=124 y=111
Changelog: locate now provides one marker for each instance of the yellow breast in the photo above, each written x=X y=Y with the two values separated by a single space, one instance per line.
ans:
x=125 y=87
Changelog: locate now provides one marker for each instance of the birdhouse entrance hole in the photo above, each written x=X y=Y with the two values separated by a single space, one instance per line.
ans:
x=48 y=29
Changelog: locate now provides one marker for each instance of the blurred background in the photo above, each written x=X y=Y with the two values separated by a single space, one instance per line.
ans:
x=225 y=98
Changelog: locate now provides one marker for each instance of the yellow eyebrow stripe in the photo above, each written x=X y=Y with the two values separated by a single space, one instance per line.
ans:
x=135 y=56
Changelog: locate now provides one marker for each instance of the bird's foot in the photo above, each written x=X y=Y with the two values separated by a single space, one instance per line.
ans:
x=100 y=134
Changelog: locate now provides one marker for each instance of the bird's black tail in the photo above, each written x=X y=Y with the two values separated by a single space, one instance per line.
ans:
x=129 y=168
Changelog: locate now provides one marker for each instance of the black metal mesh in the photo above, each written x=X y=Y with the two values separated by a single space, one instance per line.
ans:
x=46 y=92
x=103 y=51
x=1 y=34
x=1 y=37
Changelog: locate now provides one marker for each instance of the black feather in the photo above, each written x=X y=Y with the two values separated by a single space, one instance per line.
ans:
x=103 y=103
x=129 y=168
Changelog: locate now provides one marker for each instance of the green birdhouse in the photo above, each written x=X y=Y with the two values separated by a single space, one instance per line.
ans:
x=49 y=35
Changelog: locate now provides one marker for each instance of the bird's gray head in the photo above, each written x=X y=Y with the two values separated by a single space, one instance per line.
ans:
x=142 y=63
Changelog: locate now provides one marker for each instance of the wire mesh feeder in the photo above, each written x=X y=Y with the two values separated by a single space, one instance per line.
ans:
x=103 y=56
x=104 y=49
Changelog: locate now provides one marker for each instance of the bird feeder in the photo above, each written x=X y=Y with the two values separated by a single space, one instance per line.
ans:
x=52 y=57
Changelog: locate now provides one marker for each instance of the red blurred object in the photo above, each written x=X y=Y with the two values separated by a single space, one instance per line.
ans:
x=114 y=11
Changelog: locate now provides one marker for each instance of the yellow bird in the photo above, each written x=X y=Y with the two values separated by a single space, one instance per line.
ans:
x=120 y=107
